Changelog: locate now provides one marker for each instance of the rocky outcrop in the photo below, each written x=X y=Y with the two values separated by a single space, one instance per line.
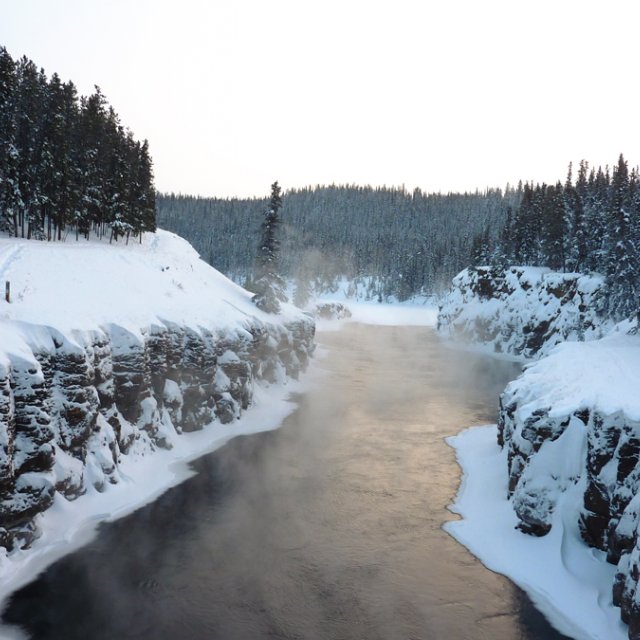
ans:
x=522 y=311
x=331 y=311
x=571 y=421
x=74 y=405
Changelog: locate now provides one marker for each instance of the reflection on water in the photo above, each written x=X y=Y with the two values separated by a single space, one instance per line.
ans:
x=328 y=528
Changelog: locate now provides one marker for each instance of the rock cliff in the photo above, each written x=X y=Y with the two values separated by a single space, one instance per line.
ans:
x=573 y=419
x=522 y=311
x=73 y=405
x=570 y=424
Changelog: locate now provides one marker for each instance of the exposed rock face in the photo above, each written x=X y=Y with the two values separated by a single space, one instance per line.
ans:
x=72 y=408
x=539 y=468
x=522 y=311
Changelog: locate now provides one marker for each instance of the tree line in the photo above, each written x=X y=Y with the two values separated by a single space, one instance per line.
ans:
x=398 y=242
x=67 y=163
x=590 y=224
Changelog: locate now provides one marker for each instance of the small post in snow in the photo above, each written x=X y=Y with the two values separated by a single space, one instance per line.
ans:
x=7 y=291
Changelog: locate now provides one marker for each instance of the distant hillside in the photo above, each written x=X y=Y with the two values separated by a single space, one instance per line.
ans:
x=408 y=242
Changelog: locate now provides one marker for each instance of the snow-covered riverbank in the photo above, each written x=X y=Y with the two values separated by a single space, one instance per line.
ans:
x=567 y=580
x=66 y=526
x=549 y=497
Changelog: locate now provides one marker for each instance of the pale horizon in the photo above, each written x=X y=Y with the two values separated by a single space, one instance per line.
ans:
x=233 y=95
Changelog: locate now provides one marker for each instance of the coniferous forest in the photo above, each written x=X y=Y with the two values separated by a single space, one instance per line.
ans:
x=405 y=243
x=397 y=242
x=589 y=225
x=67 y=163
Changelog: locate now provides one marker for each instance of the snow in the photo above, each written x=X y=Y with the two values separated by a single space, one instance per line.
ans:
x=83 y=285
x=69 y=292
x=373 y=313
x=568 y=581
x=523 y=311
x=601 y=375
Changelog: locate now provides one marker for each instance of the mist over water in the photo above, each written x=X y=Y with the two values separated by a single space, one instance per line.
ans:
x=327 y=528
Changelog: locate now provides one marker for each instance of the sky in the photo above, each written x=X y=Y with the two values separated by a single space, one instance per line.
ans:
x=446 y=95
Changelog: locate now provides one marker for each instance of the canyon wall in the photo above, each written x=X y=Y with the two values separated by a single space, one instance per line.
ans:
x=571 y=422
x=73 y=404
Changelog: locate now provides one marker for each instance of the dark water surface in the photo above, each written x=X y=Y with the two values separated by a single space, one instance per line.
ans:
x=327 y=528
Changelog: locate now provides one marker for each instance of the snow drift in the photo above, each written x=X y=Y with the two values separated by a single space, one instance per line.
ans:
x=112 y=351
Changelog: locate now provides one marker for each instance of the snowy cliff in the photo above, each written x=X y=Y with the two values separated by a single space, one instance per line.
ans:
x=522 y=311
x=569 y=431
x=571 y=422
x=110 y=352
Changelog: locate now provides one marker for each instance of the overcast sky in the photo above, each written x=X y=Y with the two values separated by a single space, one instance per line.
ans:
x=444 y=95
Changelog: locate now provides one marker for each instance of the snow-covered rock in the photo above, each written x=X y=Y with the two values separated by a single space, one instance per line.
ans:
x=109 y=351
x=331 y=311
x=572 y=420
x=569 y=426
x=523 y=311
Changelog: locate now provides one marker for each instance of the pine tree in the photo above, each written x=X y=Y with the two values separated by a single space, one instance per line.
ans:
x=578 y=239
x=146 y=194
x=554 y=231
x=623 y=269
x=268 y=284
x=29 y=141
x=10 y=198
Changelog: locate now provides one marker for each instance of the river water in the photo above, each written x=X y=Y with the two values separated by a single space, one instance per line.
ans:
x=328 y=528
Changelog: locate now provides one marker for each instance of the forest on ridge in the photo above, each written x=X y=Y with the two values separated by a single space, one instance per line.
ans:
x=67 y=163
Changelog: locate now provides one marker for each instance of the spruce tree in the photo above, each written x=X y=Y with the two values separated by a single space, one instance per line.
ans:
x=623 y=270
x=10 y=198
x=268 y=284
x=554 y=230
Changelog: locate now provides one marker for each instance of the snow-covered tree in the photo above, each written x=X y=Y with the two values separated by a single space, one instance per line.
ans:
x=65 y=161
x=268 y=283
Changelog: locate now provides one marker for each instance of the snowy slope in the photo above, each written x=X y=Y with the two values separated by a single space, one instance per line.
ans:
x=81 y=285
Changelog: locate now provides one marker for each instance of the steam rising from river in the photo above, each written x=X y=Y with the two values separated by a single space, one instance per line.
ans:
x=327 y=528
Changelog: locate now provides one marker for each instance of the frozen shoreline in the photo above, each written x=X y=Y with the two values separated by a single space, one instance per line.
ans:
x=569 y=582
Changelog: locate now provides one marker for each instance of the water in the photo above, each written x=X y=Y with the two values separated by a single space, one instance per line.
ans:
x=329 y=528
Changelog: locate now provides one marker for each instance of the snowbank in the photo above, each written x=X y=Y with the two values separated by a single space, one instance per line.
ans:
x=523 y=311
x=569 y=582
x=399 y=314
x=82 y=285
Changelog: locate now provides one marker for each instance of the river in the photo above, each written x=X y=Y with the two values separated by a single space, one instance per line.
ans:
x=328 y=528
